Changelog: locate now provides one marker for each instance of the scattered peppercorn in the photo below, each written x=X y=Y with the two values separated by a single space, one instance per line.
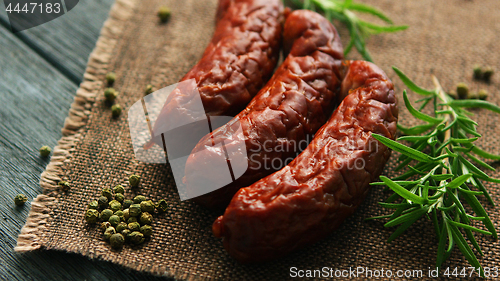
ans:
x=146 y=218
x=126 y=214
x=119 y=189
x=20 y=199
x=121 y=227
x=103 y=202
x=45 y=151
x=478 y=72
x=136 y=237
x=109 y=232
x=93 y=205
x=147 y=206
x=105 y=215
x=126 y=234
x=164 y=14
x=116 y=110
x=462 y=90
x=149 y=89
x=147 y=230
x=105 y=225
x=132 y=219
x=110 y=78
x=482 y=94
x=134 y=226
x=488 y=72
x=126 y=203
x=114 y=220
x=64 y=186
x=121 y=214
x=135 y=210
x=114 y=205
x=107 y=192
x=91 y=215
x=162 y=206
x=119 y=197
x=110 y=94
x=134 y=180
x=139 y=198
x=116 y=241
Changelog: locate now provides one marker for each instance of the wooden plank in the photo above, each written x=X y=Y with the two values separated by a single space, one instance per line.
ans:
x=34 y=99
x=67 y=41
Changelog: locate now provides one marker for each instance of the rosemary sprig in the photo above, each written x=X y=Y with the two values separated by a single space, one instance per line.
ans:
x=443 y=177
x=359 y=30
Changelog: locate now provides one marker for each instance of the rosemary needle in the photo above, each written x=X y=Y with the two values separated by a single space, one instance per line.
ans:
x=444 y=178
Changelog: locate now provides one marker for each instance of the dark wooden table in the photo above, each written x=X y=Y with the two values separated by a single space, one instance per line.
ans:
x=40 y=70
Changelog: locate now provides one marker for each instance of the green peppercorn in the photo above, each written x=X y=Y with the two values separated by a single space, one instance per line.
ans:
x=107 y=192
x=20 y=199
x=126 y=203
x=121 y=214
x=147 y=230
x=119 y=197
x=146 y=218
x=139 y=198
x=149 y=89
x=93 y=205
x=164 y=14
x=147 y=206
x=136 y=237
x=110 y=94
x=135 y=210
x=462 y=91
x=105 y=225
x=119 y=189
x=116 y=110
x=114 y=205
x=110 y=78
x=132 y=219
x=162 y=206
x=121 y=227
x=45 y=151
x=126 y=214
x=116 y=241
x=114 y=220
x=488 y=72
x=482 y=94
x=134 y=226
x=91 y=215
x=472 y=96
x=134 y=180
x=109 y=232
x=126 y=233
x=64 y=186
x=103 y=202
x=478 y=72
x=105 y=215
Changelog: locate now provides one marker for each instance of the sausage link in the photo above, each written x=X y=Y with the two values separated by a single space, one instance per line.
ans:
x=238 y=61
x=292 y=106
x=309 y=198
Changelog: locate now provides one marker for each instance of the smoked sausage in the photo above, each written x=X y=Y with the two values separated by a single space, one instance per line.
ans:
x=284 y=115
x=238 y=61
x=310 y=197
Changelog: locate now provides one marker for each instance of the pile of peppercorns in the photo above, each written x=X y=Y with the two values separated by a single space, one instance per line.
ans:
x=124 y=220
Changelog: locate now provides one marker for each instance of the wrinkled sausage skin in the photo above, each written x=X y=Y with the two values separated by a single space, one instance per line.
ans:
x=283 y=116
x=238 y=61
x=309 y=198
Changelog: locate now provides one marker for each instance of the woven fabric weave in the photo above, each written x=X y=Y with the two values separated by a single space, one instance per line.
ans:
x=445 y=38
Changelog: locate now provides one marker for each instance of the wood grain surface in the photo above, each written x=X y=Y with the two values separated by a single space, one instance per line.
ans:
x=39 y=74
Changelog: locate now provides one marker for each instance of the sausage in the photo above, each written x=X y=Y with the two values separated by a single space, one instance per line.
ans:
x=283 y=116
x=310 y=197
x=238 y=61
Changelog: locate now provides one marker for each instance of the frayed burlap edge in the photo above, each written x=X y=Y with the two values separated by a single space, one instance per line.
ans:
x=79 y=112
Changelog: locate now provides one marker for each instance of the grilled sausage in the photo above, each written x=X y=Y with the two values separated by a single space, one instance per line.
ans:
x=283 y=116
x=238 y=61
x=309 y=198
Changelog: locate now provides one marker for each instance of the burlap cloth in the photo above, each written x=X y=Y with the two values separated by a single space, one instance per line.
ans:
x=445 y=38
